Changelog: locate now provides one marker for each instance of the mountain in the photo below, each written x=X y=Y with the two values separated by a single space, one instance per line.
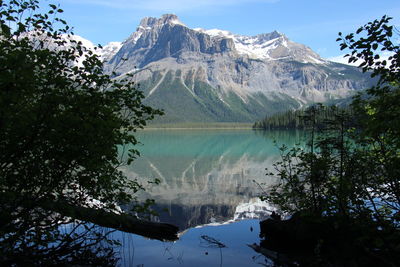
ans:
x=199 y=75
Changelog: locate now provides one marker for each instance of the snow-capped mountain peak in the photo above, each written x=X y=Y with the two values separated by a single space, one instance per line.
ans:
x=150 y=22
x=218 y=75
x=267 y=46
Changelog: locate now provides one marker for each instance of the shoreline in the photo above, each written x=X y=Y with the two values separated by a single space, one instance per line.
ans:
x=200 y=126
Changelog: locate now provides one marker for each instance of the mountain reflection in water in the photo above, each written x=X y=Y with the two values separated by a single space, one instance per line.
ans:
x=207 y=176
x=209 y=189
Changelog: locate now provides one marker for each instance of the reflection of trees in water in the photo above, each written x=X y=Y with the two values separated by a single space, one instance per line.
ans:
x=33 y=236
x=52 y=240
x=211 y=242
x=288 y=137
x=171 y=255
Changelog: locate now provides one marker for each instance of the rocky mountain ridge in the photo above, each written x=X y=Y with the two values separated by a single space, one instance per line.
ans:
x=199 y=75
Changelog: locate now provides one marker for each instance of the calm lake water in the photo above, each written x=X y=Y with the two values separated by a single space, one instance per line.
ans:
x=209 y=188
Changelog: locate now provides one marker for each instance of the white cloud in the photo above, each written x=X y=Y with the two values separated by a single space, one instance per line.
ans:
x=165 y=5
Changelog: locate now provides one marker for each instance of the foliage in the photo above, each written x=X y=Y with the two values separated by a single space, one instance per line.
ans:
x=61 y=123
x=352 y=174
x=311 y=179
x=295 y=119
x=379 y=115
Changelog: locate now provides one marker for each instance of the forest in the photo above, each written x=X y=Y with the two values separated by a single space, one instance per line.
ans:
x=299 y=119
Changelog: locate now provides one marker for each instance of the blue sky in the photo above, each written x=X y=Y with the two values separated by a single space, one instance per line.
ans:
x=314 y=23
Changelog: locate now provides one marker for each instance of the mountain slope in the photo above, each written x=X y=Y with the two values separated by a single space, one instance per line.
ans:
x=198 y=75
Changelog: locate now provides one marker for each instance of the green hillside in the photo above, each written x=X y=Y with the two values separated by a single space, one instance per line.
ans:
x=198 y=102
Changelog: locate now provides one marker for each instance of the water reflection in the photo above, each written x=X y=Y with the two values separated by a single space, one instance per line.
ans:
x=193 y=250
x=208 y=176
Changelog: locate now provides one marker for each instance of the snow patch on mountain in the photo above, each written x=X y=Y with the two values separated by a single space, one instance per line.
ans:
x=109 y=50
x=85 y=42
x=216 y=33
x=252 y=46
x=267 y=46
x=105 y=53
x=255 y=209
x=176 y=21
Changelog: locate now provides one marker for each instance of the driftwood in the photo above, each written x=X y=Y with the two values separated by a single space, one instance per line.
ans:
x=122 y=222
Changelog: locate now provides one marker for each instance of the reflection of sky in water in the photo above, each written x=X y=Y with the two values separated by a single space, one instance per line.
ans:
x=192 y=250
x=207 y=176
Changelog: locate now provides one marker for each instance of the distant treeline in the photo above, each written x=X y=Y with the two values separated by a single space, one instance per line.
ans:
x=303 y=118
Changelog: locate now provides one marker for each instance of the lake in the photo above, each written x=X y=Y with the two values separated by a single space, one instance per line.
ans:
x=210 y=183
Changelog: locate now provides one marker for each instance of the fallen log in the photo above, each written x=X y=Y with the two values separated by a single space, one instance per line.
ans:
x=123 y=222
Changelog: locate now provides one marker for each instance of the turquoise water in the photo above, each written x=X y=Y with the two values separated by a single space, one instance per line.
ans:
x=210 y=183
